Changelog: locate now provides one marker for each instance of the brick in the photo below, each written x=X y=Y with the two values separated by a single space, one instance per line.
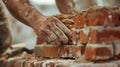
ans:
x=4 y=64
x=29 y=63
x=19 y=63
x=113 y=19
x=63 y=51
x=95 y=52
x=107 y=35
x=93 y=20
x=83 y=37
x=105 y=18
x=38 y=64
x=71 y=51
x=10 y=63
x=79 y=22
x=46 y=51
x=74 y=37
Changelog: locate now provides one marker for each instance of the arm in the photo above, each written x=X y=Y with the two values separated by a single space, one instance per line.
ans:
x=24 y=12
x=66 y=6
x=5 y=34
x=48 y=29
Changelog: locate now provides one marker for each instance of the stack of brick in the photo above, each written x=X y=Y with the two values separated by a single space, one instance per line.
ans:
x=95 y=36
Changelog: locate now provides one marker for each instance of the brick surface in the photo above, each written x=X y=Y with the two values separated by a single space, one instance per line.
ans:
x=79 y=22
x=99 y=18
x=107 y=35
x=74 y=36
x=71 y=51
x=29 y=63
x=38 y=64
x=63 y=51
x=83 y=37
x=46 y=51
x=10 y=63
x=19 y=63
x=98 y=52
x=3 y=64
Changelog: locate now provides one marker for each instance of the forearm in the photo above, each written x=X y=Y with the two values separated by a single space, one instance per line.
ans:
x=24 y=12
x=66 y=6
x=5 y=34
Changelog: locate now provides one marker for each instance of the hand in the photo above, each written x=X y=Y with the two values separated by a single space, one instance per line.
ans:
x=50 y=30
x=53 y=31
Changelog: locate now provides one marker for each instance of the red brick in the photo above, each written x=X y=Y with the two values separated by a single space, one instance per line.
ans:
x=74 y=37
x=38 y=64
x=113 y=19
x=79 y=22
x=92 y=19
x=5 y=64
x=99 y=18
x=29 y=63
x=71 y=51
x=63 y=51
x=10 y=63
x=19 y=63
x=46 y=51
x=107 y=35
x=83 y=37
x=93 y=36
x=98 y=52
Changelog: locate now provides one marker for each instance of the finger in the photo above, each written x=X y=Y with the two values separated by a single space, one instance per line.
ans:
x=63 y=38
x=56 y=42
x=49 y=34
x=44 y=36
x=63 y=27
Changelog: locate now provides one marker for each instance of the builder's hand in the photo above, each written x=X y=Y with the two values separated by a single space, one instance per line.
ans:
x=53 y=31
x=48 y=29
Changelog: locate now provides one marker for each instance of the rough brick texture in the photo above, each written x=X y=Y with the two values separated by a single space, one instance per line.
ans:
x=107 y=35
x=97 y=16
x=64 y=51
x=83 y=37
x=98 y=52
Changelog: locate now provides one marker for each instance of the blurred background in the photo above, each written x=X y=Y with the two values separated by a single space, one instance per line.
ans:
x=24 y=34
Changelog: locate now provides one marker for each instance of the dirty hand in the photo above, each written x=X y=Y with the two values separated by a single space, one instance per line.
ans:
x=53 y=31
x=48 y=29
